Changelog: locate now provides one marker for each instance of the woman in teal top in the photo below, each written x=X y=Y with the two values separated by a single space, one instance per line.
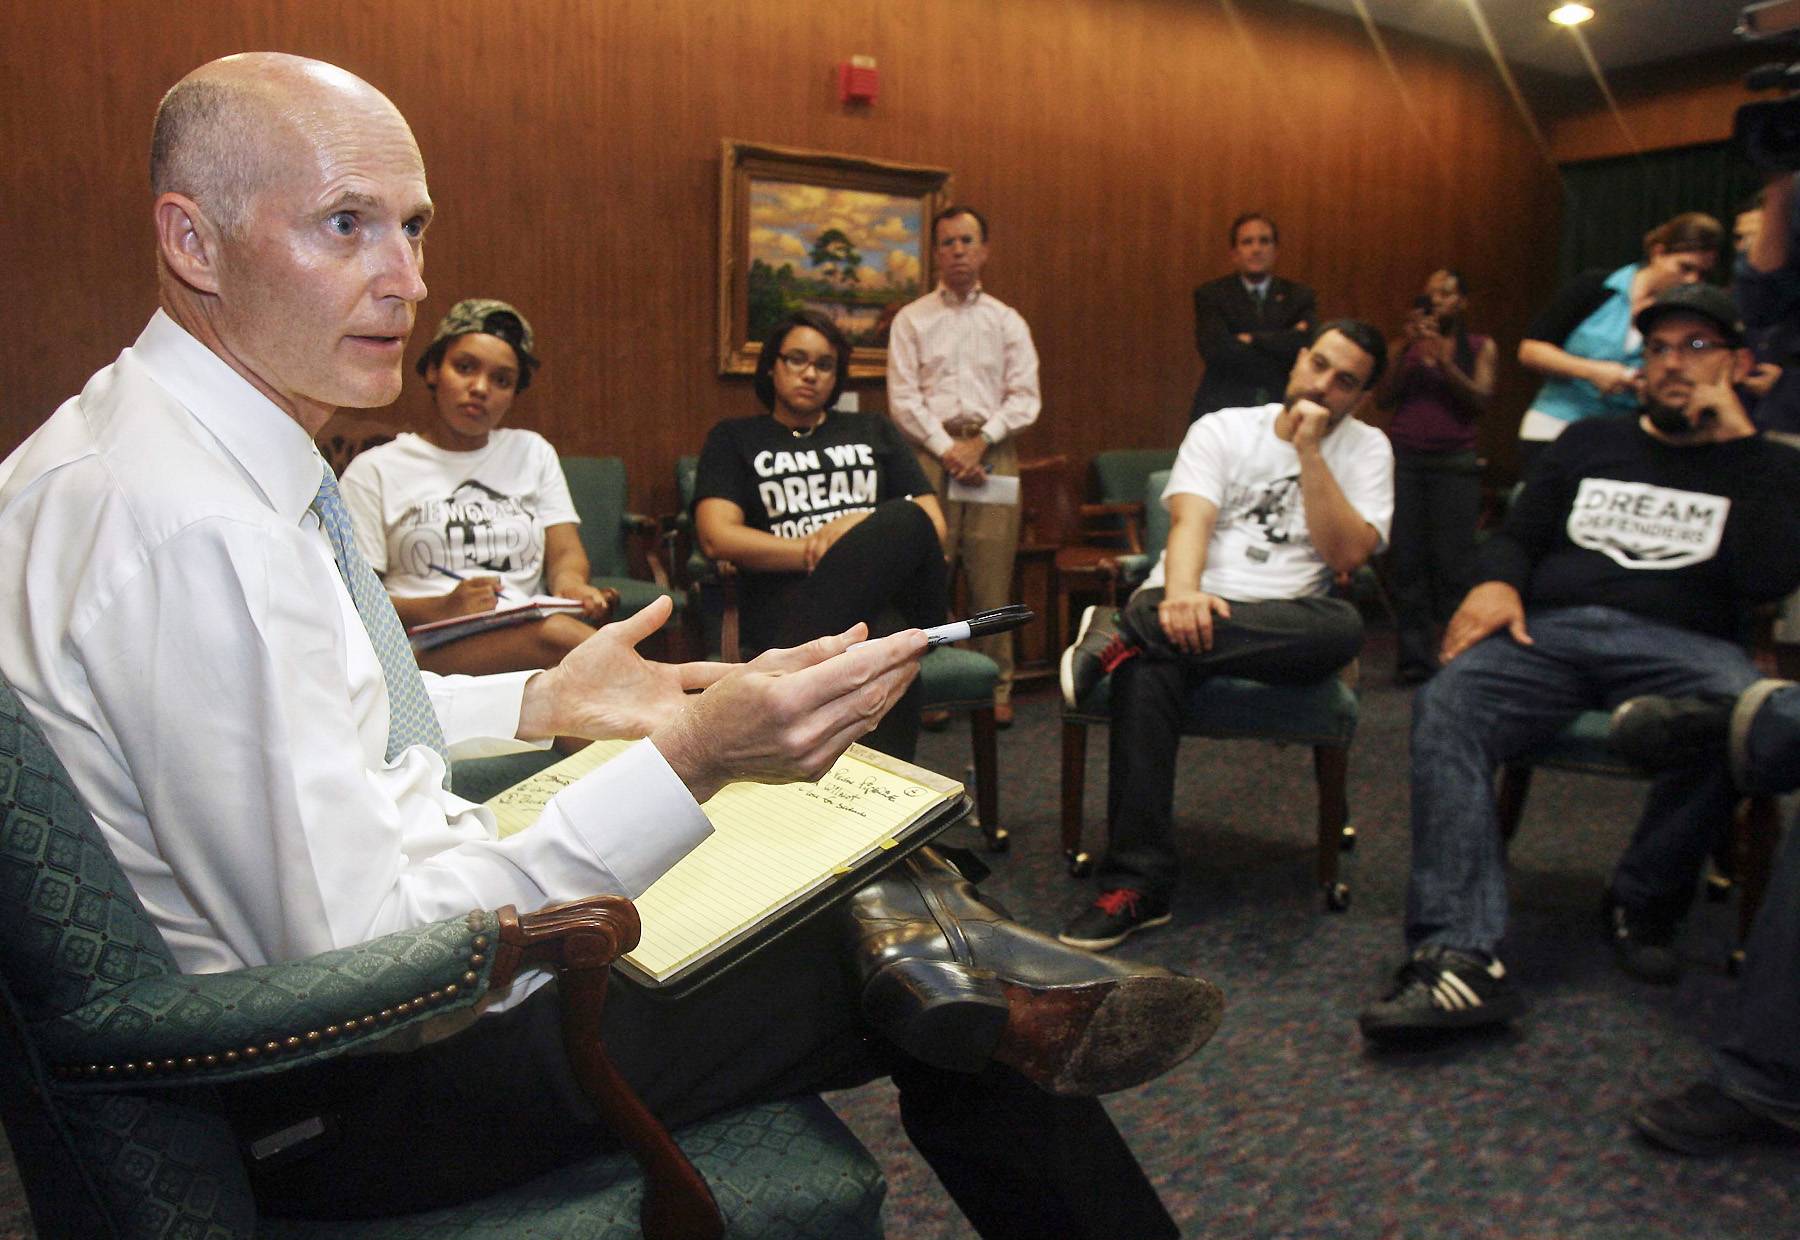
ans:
x=1583 y=342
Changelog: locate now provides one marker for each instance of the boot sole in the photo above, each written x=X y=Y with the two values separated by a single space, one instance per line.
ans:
x=1104 y=1036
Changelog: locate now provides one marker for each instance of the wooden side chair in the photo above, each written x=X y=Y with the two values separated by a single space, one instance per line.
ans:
x=1322 y=716
x=108 y=1056
x=1078 y=543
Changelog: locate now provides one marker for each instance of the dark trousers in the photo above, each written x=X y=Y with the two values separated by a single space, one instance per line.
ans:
x=887 y=572
x=1284 y=641
x=497 y=1104
x=1497 y=700
x=1437 y=500
x=1759 y=1059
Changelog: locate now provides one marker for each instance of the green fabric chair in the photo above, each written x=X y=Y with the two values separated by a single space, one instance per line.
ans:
x=1121 y=474
x=1744 y=858
x=1322 y=715
x=597 y=485
x=108 y=1053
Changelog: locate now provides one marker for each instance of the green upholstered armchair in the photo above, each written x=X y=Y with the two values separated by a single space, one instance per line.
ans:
x=107 y=1053
x=597 y=485
x=1321 y=715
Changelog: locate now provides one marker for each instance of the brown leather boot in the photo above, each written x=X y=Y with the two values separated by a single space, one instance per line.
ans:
x=955 y=983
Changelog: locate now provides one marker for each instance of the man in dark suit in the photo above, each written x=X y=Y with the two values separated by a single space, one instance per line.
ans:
x=1249 y=325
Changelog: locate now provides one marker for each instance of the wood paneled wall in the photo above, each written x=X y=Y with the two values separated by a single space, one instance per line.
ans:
x=572 y=149
x=1660 y=106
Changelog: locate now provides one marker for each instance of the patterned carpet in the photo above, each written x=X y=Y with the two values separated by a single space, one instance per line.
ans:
x=1286 y=1125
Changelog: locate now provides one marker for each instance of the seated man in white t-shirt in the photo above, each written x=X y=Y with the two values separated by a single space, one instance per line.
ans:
x=1268 y=505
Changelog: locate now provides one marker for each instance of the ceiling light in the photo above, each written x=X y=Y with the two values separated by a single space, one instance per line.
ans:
x=1571 y=14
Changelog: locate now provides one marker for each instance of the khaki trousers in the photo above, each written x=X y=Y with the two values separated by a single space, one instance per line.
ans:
x=985 y=537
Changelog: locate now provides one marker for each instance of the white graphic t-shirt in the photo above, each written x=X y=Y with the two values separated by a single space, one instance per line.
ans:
x=1260 y=548
x=481 y=513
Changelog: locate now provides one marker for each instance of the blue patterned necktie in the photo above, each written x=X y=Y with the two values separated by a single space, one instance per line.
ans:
x=411 y=721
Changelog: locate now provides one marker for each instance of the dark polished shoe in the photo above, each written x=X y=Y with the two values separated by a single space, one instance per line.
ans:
x=1662 y=733
x=1643 y=945
x=955 y=983
x=1704 y=1119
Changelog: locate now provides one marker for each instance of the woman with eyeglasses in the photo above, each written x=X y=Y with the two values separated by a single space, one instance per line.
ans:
x=1439 y=380
x=1583 y=342
x=467 y=515
x=826 y=515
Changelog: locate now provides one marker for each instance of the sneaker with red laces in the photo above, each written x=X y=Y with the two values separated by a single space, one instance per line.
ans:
x=1099 y=647
x=1114 y=917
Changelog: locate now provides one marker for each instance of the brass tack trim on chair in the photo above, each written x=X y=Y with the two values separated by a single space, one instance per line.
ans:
x=293 y=1042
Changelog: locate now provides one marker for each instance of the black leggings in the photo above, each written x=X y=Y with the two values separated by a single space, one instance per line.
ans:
x=888 y=572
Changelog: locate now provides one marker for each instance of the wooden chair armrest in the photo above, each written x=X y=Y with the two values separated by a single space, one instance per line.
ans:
x=645 y=532
x=580 y=940
x=731 y=647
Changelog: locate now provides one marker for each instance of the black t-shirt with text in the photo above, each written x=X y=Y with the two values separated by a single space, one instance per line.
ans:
x=791 y=485
x=1688 y=535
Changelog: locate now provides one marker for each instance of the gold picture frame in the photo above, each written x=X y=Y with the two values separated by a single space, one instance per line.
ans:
x=841 y=234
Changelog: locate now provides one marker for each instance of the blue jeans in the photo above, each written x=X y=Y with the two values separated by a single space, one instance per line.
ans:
x=1497 y=700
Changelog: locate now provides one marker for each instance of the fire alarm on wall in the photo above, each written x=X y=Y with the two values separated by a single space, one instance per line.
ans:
x=858 y=80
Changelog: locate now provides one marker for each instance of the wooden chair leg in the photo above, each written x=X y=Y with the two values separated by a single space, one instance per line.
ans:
x=987 y=777
x=1331 y=767
x=1509 y=802
x=1074 y=791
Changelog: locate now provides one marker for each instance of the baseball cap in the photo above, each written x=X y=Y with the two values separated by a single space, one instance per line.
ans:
x=1704 y=300
x=493 y=317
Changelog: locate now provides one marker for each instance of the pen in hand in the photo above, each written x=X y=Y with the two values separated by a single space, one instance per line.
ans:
x=999 y=620
x=500 y=587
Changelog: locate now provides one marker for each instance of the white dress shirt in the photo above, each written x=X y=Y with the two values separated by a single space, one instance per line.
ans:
x=181 y=633
x=954 y=358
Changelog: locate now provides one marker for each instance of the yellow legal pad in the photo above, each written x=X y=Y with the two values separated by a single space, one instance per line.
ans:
x=772 y=846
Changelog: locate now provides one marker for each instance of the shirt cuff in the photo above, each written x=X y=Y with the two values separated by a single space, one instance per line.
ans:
x=635 y=814
x=994 y=430
x=937 y=442
x=480 y=714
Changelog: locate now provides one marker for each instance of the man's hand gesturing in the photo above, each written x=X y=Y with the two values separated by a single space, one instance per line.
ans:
x=788 y=714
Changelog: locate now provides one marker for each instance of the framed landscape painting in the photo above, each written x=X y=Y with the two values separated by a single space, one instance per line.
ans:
x=845 y=236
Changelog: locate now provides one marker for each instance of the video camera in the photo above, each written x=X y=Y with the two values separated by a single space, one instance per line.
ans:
x=1768 y=133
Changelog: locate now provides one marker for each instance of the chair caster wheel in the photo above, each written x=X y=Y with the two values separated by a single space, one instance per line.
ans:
x=1347 y=839
x=1718 y=889
x=1337 y=897
x=1734 y=963
x=1080 y=864
x=998 y=840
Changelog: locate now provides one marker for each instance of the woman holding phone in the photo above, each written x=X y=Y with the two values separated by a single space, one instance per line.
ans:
x=1440 y=379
